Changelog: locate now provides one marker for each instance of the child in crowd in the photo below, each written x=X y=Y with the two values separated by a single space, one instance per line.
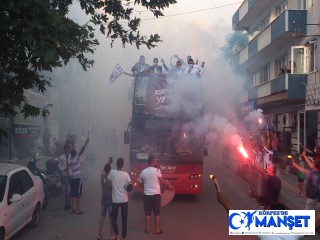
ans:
x=300 y=175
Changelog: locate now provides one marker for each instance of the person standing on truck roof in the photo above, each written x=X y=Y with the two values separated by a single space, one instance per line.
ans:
x=194 y=69
x=178 y=69
x=140 y=67
x=155 y=68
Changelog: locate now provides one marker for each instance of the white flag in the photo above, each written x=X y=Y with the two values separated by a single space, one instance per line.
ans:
x=117 y=71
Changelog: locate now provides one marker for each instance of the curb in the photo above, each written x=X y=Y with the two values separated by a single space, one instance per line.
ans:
x=284 y=201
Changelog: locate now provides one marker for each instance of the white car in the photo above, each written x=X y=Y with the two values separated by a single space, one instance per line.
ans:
x=21 y=199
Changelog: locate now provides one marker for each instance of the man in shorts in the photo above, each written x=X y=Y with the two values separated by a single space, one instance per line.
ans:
x=106 y=201
x=75 y=178
x=151 y=178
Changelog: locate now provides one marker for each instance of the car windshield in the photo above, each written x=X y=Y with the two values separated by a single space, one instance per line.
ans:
x=3 y=181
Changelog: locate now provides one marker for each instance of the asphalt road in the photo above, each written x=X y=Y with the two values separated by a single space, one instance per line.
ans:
x=186 y=217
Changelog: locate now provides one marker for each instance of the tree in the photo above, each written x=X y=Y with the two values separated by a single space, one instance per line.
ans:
x=38 y=36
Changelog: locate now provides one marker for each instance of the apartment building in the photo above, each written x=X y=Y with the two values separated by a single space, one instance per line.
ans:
x=281 y=61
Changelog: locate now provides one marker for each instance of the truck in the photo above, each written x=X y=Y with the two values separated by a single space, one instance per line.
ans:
x=167 y=122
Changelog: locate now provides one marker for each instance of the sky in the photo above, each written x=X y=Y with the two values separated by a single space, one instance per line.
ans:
x=199 y=34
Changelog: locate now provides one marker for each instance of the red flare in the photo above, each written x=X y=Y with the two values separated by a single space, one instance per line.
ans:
x=185 y=135
x=260 y=120
x=243 y=151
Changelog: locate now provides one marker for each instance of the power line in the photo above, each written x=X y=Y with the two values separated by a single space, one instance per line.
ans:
x=184 y=13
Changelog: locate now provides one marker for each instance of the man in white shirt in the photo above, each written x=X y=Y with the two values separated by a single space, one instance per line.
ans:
x=151 y=178
x=177 y=69
x=194 y=69
x=119 y=179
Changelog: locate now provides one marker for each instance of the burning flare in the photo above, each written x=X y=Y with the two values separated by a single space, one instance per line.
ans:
x=185 y=135
x=243 y=151
x=260 y=121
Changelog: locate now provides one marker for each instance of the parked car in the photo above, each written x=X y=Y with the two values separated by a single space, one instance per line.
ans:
x=21 y=199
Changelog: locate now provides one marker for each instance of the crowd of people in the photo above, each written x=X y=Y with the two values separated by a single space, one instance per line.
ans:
x=69 y=164
x=179 y=68
x=265 y=185
x=115 y=185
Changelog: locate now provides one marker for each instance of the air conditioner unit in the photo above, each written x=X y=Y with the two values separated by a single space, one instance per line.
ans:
x=286 y=120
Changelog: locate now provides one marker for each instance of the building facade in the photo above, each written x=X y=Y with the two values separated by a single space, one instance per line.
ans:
x=281 y=61
x=21 y=133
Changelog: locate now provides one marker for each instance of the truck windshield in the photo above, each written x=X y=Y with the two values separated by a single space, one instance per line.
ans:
x=163 y=105
x=167 y=142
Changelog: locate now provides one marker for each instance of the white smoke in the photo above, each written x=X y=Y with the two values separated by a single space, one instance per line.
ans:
x=222 y=131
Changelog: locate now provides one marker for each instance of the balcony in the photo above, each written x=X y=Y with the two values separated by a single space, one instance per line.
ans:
x=248 y=12
x=275 y=36
x=284 y=88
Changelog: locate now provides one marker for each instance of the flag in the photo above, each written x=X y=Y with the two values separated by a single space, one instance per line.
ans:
x=117 y=71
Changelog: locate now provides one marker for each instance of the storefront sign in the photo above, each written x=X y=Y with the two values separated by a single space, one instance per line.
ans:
x=23 y=131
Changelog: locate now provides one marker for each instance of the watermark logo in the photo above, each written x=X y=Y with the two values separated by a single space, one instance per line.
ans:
x=271 y=222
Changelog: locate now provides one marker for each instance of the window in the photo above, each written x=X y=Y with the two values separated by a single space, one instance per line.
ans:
x=14 y=186
x=299 y=59
x=304 y=4
x=264 y=23
x=3 y=183
x=26 y=181
x=281 y=8
x=280 y=65
x=312 y=55
x=255 y=79
x=265 y=74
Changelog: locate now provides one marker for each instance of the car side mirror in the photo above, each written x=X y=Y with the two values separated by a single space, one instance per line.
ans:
x=126 y=137
x=15 y=198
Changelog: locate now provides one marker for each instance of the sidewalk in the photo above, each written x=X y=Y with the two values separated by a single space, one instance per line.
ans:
x=289 y=194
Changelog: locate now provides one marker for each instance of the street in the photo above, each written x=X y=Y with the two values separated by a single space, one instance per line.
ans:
x=186 y=217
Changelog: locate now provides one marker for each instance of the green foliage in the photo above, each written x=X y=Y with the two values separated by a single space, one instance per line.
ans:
x=37 y=35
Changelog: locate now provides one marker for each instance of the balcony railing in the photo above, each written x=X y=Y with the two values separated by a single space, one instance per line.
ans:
x=294 y=84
